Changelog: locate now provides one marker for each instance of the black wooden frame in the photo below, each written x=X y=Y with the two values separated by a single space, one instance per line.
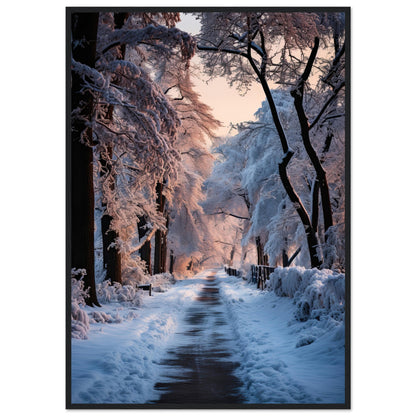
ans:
x=347 y=403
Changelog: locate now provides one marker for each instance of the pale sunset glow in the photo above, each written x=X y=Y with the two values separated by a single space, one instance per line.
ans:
x=228 y=105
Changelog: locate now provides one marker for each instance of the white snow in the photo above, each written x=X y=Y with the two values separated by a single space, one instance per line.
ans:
x=283 y=360
x=118 y=361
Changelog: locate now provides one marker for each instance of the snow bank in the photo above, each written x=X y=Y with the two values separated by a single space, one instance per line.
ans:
x=119 y=363
x=284 y=360
x=115 y=295
x=316 y=292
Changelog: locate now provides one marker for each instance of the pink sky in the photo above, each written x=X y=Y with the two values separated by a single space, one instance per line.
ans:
x=226 y=103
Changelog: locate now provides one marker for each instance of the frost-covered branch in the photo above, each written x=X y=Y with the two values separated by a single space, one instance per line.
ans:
x=334 y=94
x=230 y=214
x=219 y=49
x=162 y=37
x=147 y=237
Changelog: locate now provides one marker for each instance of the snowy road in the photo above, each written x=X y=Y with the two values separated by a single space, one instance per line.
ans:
x=199 y=368
x=210 y=339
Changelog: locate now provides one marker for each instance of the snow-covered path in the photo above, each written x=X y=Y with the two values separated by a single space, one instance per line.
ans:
x=199 y=367
x=210 y=339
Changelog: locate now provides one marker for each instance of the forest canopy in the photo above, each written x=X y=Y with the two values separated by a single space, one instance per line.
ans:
x=154 y=190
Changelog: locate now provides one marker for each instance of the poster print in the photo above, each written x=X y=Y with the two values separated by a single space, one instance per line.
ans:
x=208 y=208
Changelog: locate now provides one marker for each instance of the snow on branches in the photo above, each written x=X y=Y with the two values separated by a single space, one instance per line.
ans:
x=134 y=125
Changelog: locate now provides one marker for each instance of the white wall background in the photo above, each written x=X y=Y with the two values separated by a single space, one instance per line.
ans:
x=32 y=208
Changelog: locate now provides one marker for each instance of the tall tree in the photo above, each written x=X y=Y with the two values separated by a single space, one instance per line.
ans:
x=270 y=46
x=188 y=234
x=84 y=38
x=111 y=255
x=146 y=249
x=160 y=250
x=143 y=126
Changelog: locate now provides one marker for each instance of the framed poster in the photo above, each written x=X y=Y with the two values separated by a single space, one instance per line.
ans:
x=208 y=207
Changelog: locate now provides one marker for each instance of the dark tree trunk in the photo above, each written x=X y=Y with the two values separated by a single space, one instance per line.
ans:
x=84 y=36
x=262 y=259
x=315 y=205
x=293 y=256
x=232 y=255
x=146 y=250
x=297 y=94
x=293 y=196
x=160 y=236
x=111 y=256
x=164 y=248
x=316 y=185
x=311 y=236
x=260 y=71
x=285 y=258
x=172 y=262
x=157 y=261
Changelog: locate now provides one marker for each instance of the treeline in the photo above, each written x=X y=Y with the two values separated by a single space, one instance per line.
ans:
x=284 y=174
x=138 y=129
x=140 y=143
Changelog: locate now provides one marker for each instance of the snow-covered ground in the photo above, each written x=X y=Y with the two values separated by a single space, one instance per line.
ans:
x=118 y=361
x=282 y=359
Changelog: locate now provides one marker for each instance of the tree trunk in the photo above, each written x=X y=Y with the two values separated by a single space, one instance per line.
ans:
x=311 y=236
x=84 y=37
x=164 y=248
x=293 y=196
x=111 y=256
x=262 y=259
x=232 y=255
x=172 y=262
x=160 y=236
x=288 y=153
x=157 y=253
x=297 y=94
x=260 y=71
x=315 y=205
x=285 y=258
x=146 y=250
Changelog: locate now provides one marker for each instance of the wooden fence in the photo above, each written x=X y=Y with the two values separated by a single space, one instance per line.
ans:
x=231 y=272
x=259 y=275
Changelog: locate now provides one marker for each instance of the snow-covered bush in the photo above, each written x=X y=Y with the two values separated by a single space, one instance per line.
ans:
x=161 y=282
x=78 y=293
x=107 y=293
x=79 y=318
x=315 y=292
x=334 y=247
x=133 y=270
x=80 y=324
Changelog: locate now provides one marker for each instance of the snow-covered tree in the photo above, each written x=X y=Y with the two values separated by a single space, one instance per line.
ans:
x=245 y=183
x=134 y=146
x=84 y=36
x=275 y=47
x=189 y=235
